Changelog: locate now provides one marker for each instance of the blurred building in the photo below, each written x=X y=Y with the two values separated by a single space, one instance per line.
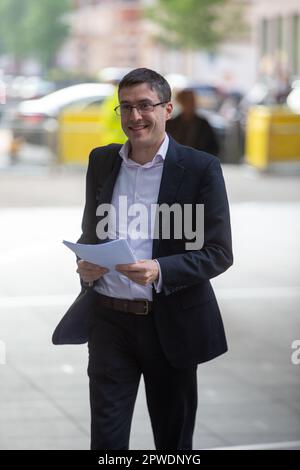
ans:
x=107 y=33
x=277 y=29
x=104 y=33
x=114 y=33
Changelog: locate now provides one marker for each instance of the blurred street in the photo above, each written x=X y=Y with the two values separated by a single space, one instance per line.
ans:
x=248 y=397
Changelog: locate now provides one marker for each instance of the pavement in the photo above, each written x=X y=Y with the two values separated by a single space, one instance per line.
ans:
x=249 y=398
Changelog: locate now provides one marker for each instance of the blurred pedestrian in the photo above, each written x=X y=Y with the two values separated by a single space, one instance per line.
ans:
x=188 y=128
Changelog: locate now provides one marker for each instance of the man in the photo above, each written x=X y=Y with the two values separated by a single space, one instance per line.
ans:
x=190 y=129
x=177 y=324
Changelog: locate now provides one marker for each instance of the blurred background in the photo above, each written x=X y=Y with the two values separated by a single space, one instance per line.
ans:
x=60 y=63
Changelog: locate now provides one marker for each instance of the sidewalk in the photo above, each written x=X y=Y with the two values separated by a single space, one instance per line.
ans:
x=248 y=397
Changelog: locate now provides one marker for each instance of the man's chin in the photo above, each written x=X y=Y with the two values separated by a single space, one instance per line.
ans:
x=139 y=138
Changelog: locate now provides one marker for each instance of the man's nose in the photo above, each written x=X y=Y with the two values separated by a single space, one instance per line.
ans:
x=135 y=113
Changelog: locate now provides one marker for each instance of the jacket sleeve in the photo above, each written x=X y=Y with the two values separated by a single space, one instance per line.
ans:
x=196 y=266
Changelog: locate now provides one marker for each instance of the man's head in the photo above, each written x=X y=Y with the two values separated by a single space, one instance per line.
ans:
x=154 y=80
x=187 y=100
x=145 y=106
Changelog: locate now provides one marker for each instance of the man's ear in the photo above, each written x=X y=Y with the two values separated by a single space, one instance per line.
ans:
x=169 y=110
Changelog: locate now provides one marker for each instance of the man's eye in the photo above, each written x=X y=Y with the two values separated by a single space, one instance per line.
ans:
x=145 y=106
x=125 y=107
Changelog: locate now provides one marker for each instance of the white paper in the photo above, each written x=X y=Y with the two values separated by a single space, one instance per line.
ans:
x=106 y=254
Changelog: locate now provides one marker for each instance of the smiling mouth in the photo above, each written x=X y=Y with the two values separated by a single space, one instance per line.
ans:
x=137 y=128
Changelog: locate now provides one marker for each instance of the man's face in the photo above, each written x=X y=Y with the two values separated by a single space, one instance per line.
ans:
x=144 y=129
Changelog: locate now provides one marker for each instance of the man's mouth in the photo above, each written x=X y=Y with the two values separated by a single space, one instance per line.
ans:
x=140 y=127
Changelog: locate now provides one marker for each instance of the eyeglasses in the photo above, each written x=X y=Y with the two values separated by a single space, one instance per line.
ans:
x=142 y=108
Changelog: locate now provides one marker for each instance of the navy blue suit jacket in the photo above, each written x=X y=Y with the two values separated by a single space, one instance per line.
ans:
x=186 y=312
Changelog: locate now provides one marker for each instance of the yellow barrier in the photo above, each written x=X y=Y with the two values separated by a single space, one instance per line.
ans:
x=272 y=135
x=80 y=131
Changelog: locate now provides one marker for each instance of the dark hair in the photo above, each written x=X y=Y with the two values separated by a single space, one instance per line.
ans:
x=155 y=81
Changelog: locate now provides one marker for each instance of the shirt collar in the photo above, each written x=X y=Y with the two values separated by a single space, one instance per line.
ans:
x=160 y=154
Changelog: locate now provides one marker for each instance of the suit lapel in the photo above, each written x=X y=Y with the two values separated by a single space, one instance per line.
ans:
x=173 y=173
x=106 y=192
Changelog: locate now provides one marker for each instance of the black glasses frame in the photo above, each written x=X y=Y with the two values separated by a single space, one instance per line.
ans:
x=118 y=109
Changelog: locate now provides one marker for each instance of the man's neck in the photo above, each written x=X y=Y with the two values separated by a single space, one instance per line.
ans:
x=143 y=155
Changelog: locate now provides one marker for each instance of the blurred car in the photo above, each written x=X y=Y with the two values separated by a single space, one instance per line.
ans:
x=209 y=97
x=293 y=99
x=25 y=88
x=36 y=121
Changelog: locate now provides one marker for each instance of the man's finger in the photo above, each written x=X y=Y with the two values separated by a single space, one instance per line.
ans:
x=139 y=278
x=131 y=267
x=88 y=265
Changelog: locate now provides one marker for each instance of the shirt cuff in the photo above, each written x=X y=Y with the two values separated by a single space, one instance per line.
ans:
x=158 y=283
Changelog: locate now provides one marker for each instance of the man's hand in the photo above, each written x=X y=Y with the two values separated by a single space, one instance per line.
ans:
x=144 y=271
x=90 y=272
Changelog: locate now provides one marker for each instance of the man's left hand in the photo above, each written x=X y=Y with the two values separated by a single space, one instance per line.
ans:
x=144 y=271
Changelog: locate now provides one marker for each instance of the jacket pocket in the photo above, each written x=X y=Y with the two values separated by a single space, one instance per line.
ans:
x=194 y=296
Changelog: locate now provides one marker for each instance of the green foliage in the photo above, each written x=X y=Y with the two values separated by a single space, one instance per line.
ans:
x=33 y=28
x=12 y=26
x=195 y=24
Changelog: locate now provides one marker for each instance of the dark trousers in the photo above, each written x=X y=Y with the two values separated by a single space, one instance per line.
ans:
x=122 y=346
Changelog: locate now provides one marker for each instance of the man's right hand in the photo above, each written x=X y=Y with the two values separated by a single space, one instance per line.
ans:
x=90 y=272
